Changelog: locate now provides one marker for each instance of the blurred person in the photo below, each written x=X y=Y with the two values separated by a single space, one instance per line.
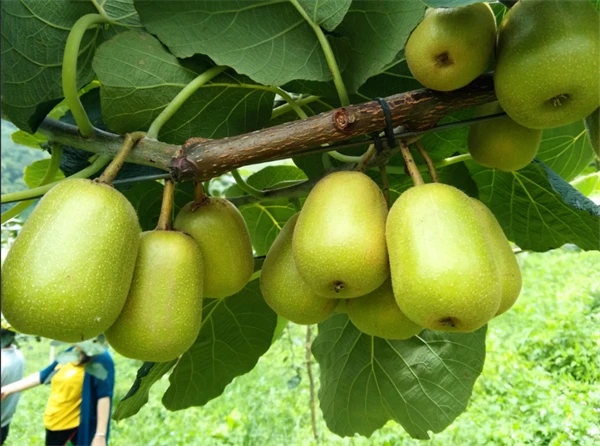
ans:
x=80 y=403
x=13 y=365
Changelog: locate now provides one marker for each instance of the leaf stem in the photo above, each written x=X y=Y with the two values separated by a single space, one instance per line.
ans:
x=413 y=171
x=329 y=56
x=291 y=102
x=245 y=186
x=113 y=168
x=344 y=158
x=69 y=71
x=397 y=170
x=366 y=158
x=430 y=166
x=164 y=220
x=285 y=108
x=53 y=166
x=97 y=165
x=180 y=99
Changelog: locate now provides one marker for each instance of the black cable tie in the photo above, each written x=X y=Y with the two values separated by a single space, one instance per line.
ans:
x=389 y=129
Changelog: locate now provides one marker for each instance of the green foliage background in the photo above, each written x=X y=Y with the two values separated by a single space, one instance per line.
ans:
x=540 y=384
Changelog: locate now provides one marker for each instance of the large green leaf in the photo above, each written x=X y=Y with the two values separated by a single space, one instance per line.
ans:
x=265 y=219
x=537 y=209
x=326 y=13
x=33 y=39
x=566 y=150
x=35 y=172
x=377 y=31
x=140 y=78
x=137 y=396
x=34 y=33
x=423 y=383
x=393 y=79
x=268 y=41
x=236 y=332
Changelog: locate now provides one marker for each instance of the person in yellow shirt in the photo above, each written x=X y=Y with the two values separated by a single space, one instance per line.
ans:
x=80 y=402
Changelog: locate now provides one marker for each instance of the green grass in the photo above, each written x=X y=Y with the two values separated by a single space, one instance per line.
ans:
x=540 y=385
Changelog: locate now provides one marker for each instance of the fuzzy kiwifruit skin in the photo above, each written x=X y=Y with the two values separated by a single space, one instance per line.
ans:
x=163 y=313
x=67 y=275
x=547 y=71
x=223 y=238
x=378 y=314
x=339 y=240
x=283 y=288
x=502 y=143
x=452 y=46
x=508 y=267
x=443 y=271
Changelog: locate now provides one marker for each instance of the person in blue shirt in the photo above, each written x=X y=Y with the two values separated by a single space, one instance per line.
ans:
x=80 y=402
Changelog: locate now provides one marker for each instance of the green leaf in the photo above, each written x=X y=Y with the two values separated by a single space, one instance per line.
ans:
x=377 y=31
x=566 y=150
x=274 y=177
x=140 y=78
x=236 y=332
x=36 y=171
x=423 y=383
x=265 y=219
x=393 y=79
x=146 y=198
x=137 y=396
x=587 y=184
x=537 y=209
x=326 y=13
x=27 y=139
x=34 y=34
x=268 y=41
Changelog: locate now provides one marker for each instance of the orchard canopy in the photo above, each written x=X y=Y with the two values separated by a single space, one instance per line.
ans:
x=199 y=90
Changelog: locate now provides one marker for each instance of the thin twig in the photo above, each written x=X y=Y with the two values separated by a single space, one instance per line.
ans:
x=311 y=383
x=413 y=170
x=199 y=195
x=430 y=166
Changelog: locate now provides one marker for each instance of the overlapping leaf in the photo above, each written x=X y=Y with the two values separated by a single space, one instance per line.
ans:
x=137 y=396
x=566 y=150
x=423 y=383
x=36 y=171
x=377 y=31
x=268 y=41
x=265 y=219
x=326 y=13
x=140 y=77
x=34 y=33
x=236 y=332
x=537 y=209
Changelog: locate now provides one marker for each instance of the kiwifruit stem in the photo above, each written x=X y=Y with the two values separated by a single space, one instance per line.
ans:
x=430 y=166
x=164 y=221
x=385 y=184
x=413 y=170
x=115 y=165
x=199 y=195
